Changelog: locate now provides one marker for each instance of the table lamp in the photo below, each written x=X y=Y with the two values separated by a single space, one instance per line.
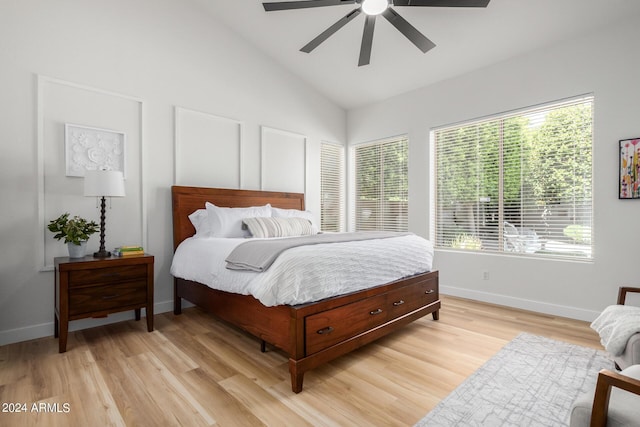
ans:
x=103 y=184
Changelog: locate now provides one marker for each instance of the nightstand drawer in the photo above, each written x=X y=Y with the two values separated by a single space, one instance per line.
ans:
x=101 y=298
x=98 y=276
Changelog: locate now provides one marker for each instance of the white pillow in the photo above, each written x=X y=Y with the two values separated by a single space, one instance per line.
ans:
x=200 y=221
x=279 y=227
x=296 y=213
x=227 y=222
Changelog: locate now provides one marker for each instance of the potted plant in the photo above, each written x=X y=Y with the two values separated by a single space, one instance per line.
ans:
x=75 y=231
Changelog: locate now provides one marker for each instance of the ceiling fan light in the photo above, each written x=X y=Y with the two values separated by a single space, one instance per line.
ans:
x=374 y=7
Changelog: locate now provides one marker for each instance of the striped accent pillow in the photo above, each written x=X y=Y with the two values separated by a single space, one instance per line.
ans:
x=278 y=227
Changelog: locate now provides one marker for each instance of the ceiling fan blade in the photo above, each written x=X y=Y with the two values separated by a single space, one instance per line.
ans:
x=442 y=3
x=287 y=5
x=367 y=40
x=409 y=31
x=330 y=31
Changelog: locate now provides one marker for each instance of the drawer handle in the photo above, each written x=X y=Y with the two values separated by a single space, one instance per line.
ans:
x=107 y=297
x=374 y=312
x=397 y=303
x=326 y=330
x=430 y=291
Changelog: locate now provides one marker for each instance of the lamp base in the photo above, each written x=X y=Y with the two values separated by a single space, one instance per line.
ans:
x=102 y=254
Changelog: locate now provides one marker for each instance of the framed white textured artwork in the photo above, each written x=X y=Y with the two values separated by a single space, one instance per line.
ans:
x=88 y=148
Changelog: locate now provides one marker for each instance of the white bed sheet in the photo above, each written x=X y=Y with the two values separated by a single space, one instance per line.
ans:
x=307 y=273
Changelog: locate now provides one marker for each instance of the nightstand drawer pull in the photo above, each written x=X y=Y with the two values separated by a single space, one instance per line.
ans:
x=108 y=297
x=397 y=303
x=326 y=330
x=374 y=312
x=430 y=291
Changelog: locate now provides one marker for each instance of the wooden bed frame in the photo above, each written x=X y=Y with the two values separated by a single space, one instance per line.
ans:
x=310 y=334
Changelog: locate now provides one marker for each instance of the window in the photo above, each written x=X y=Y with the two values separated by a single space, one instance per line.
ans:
x=518 y=183
x=381 y=185
x=332 y=187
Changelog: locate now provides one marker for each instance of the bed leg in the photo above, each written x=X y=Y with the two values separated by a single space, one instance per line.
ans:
x=263 y=346
x=177 y=305
x=436 y=315
x=296 y=377
x=177 y=301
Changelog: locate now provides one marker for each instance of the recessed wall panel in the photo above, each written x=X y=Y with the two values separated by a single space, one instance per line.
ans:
x=283 y=161
x=208 y=150
x=62 y=102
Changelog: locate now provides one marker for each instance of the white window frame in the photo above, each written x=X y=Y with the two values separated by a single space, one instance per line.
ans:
x=339 y=183
x=522 y=244
x=388 y=222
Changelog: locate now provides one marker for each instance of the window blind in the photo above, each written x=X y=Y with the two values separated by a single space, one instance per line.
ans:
x=381 y=185
x=519 y=182
x=332 y=158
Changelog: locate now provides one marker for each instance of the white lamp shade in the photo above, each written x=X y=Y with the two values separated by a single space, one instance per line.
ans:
x=101 y=183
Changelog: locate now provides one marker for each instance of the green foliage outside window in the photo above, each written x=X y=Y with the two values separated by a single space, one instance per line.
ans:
x=382 y=185
x=532 y=170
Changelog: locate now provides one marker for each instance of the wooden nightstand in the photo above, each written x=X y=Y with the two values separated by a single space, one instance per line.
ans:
x=95 y=287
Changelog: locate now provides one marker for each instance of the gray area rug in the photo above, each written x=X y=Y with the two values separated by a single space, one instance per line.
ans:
x=531 y=381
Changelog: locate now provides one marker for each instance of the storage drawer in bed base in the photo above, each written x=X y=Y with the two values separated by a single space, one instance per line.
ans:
x=332 y=326
x=297 y=368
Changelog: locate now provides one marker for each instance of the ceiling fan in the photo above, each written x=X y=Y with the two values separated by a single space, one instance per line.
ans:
x=371 y=9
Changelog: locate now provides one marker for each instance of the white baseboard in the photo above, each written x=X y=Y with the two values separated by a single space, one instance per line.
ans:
x=525 y=304
x=46 y=329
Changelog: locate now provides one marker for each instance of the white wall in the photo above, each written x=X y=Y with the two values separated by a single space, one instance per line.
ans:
x=157 y=58
x=132 y=66
x=605 y=63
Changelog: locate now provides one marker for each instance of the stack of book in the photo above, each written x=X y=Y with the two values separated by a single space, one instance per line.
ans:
x=128 y=251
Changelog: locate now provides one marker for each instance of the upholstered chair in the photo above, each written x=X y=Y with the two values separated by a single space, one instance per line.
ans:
x=619 y=329
x=615 y=402
x=631 y=354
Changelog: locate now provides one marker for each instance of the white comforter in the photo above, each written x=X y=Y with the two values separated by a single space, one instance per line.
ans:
x=307 y=273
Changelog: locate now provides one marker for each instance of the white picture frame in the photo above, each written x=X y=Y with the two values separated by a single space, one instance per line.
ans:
x=89 y=148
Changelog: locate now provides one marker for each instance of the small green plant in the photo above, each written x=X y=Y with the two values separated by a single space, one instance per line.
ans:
x=466 y=241
x=578 y=233
x=74 y=230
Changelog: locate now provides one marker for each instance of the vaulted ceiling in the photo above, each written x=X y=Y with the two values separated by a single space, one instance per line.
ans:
x=465 y=38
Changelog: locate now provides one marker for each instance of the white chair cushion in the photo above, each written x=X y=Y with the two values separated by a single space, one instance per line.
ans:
x=624 y=407
x=631 y=354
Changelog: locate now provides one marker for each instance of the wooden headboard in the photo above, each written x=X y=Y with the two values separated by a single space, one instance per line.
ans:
x=188 y=199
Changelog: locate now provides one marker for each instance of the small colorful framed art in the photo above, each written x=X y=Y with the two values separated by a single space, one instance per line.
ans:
x=629 y=184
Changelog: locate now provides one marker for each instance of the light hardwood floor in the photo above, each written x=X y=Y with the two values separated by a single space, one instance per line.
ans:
x=193 y=371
